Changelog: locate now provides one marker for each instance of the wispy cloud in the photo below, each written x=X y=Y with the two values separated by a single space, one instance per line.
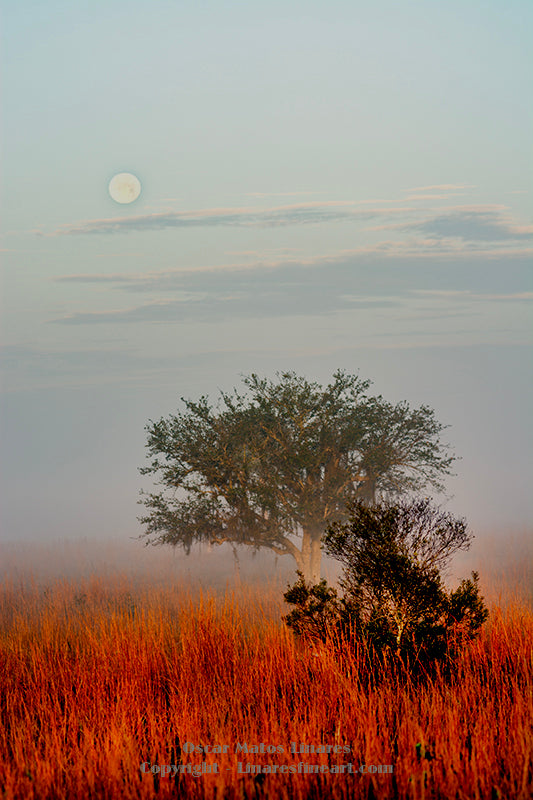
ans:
x=471 y=224
x=438 y=231
x=345 y=282
x=442 y=293
x=281 y=194
x=517 y=296
x=465 y=294
x=424 y=197
x=490 y=223
x=217 y=308
x=279 y=216
x=442 y=187
x=242 y=306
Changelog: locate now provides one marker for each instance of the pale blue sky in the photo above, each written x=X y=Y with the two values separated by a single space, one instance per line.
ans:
x=324 y=185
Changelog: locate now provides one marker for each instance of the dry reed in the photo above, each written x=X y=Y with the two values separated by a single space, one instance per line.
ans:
x=101 y=677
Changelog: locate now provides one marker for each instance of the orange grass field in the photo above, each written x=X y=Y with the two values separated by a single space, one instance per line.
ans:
x=100 y=677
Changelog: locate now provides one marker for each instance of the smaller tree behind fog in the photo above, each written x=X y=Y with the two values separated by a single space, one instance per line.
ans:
x=274 y=466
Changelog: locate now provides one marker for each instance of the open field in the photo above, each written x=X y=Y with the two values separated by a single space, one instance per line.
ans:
x=103 y=674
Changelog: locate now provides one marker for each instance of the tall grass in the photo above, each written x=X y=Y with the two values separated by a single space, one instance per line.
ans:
x=101 y=677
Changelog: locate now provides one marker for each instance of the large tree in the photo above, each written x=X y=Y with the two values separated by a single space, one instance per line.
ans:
x=274 y=466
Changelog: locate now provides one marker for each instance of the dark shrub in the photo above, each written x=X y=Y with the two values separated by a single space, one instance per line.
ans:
x=393 y=595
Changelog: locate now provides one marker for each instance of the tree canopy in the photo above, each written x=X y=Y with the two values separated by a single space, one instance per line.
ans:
x=282 y=461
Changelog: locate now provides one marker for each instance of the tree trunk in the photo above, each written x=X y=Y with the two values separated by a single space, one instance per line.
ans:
x=306 y=554
x=311 y=555
x=300 y=564
x=316 y=557
x=367 y=490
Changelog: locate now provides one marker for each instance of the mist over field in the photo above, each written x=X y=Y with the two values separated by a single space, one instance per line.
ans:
x=504 y=560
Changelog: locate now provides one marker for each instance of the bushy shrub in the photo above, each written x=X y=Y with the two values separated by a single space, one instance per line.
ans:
x=393 y=594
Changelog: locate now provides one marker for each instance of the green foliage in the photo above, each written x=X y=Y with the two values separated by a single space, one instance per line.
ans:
x=317 y=608
x=282 y=459
x=394 y=597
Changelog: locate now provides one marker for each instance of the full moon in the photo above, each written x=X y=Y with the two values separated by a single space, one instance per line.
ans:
x=124 y=187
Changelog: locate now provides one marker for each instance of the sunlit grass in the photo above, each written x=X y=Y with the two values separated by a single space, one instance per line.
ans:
x=101 y=676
